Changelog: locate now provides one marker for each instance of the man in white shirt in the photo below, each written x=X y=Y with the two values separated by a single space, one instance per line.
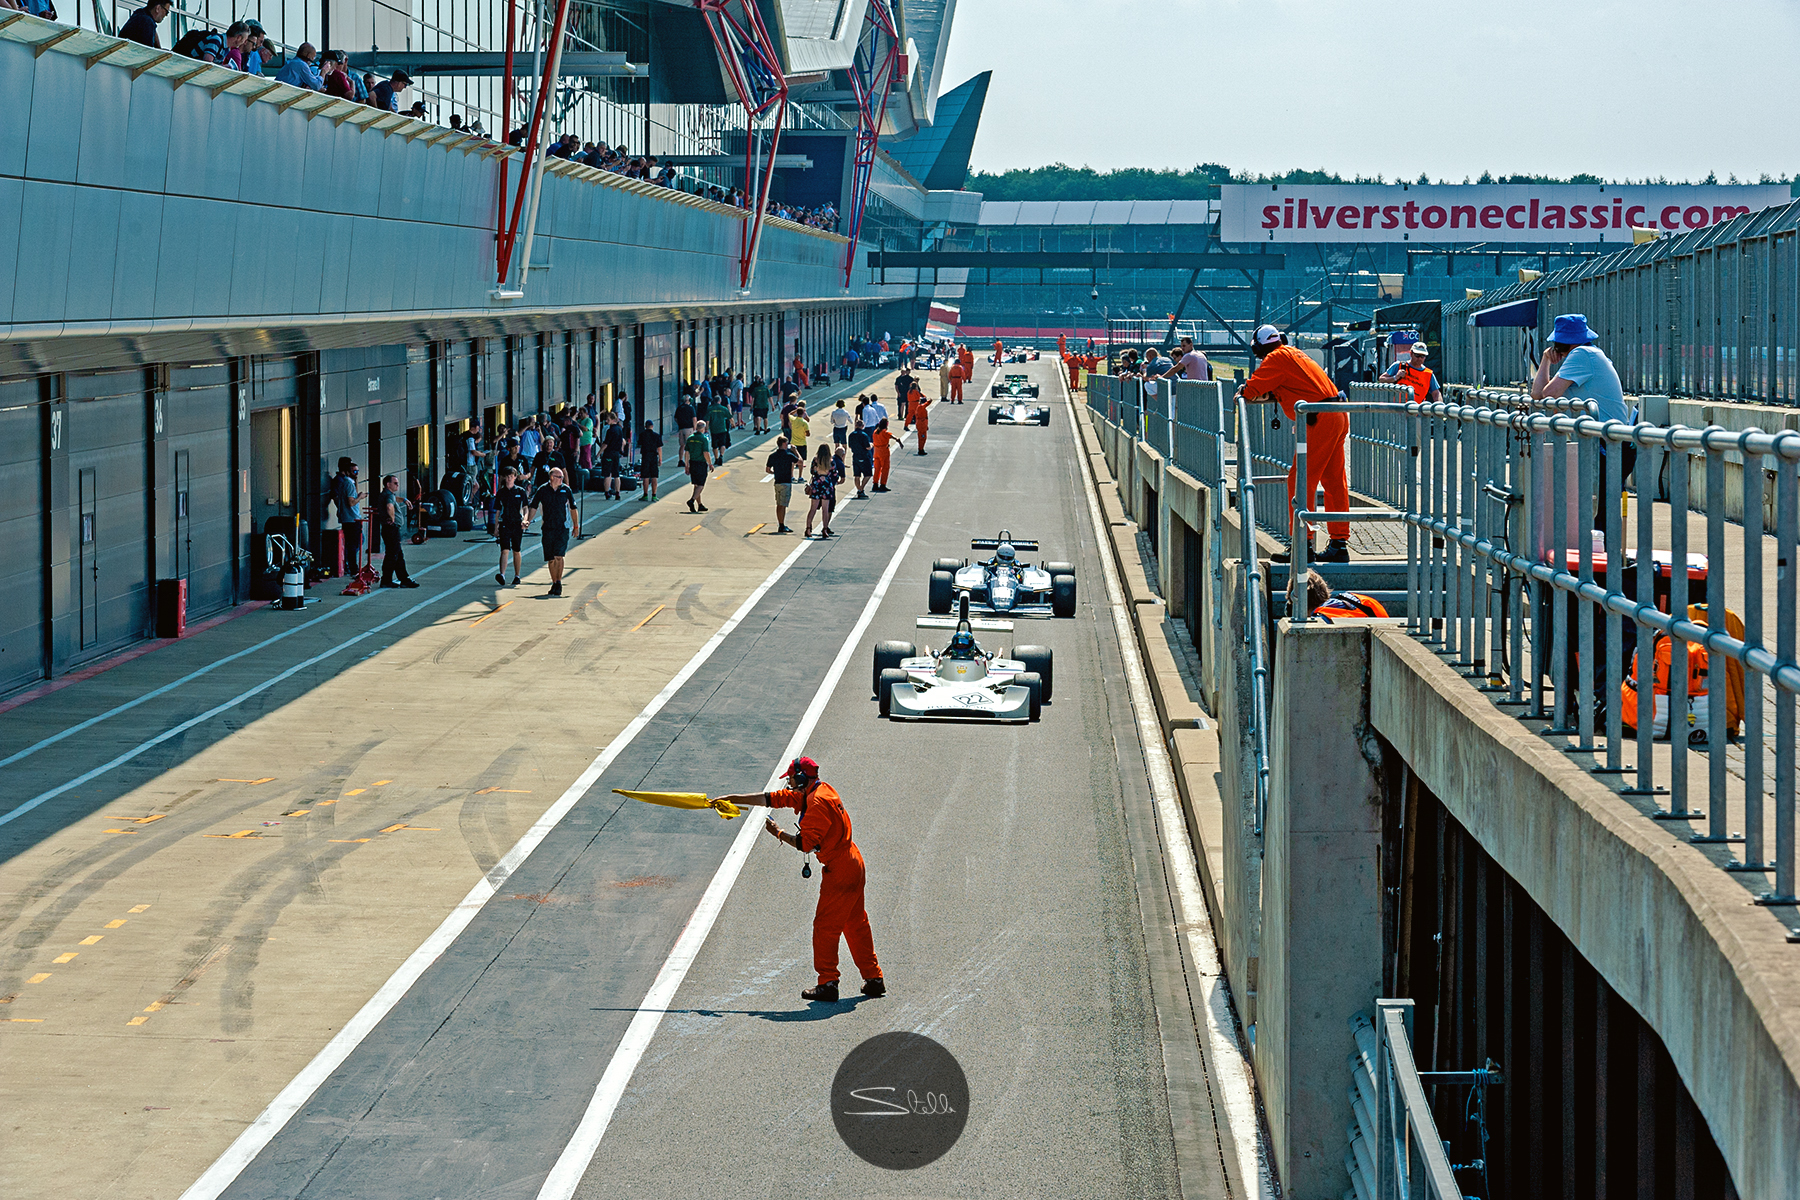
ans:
x=874 y=413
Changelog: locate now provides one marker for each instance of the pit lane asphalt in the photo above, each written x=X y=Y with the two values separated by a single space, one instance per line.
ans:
x=1002 y=888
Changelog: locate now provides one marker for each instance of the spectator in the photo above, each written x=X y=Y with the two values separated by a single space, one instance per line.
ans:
x=759 y=405
x=822 y=489
x=781 y=465
x=903 y=388
x=650 y=444
x=255 y=53
x=348 y=501
x=874 y=413
x=737 y=400
x=336 y=77
x=300 y=71
x=798 y=427
x=140 y=27
x=365 y=86
x=510 y=500
x=530 y=440
x=386 y=95
x=850 y=360
x=584 y=425
x=418 y=111
x=840 y=425
x=390 y=510
x=862 y=458
x=456 y=122
x=557 y=503
x=698 y=458
x=215 y=46
x=684 y=424
x=1190 y=363
x=612 y=452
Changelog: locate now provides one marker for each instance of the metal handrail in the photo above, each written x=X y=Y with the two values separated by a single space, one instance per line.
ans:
x=1395 y=1152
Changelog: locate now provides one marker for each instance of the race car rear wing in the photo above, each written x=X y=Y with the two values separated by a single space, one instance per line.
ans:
x=994 y=544
x=985 y=624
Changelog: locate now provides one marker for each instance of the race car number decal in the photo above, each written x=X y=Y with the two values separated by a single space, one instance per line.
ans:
x=975 y=699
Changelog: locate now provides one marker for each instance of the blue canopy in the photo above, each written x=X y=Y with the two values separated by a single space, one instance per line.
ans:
x=1515 y=314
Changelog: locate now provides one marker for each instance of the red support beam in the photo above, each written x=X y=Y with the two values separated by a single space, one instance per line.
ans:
x=751 y=61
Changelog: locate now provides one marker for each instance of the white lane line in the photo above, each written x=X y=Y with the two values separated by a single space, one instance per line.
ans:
x=248 y=693
x=166 y=688
x=1236 y=1090
x=573 y=1163
x=291 y=1098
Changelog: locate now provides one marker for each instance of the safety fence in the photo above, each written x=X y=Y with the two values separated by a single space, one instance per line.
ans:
x=1516 y=518
x=1395 y=1152
x=1712 y=312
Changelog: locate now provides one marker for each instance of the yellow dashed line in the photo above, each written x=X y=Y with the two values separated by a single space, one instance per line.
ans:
x=356 y=791
x=385 y=782
x=646 y=620
x=137 y=1020
x=298 y=812
x=757 y=526
x=637 y=527
x=133 y=832
x=264 y=779
x=155 y=1006
x=346 y=841
x=508 y=791
x=242 y=833
x=63 y=958
x=26 y=1020
x=118 y=924
x=695 y=529
x=484 y=616
x=140 y=820
x=91 y=940
x=39 y=977
x=140 y=908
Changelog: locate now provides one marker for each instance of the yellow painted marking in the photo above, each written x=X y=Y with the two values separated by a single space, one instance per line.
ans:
x=505 y=791
x=264 y=779
x=720 y=474
x=646 y=620
x=89 y=941
x=323 y=803
x=414 y=828
x=298 y=812
x=39 y=977
x=155 y=1005
x=391 y=828
x=347 y=841
x=63 y=958
x=137 y=1020
x=356 y=791
x=484 y=616
x=133 y=832
x=695 y=529
x=26 y=1020
x=140 y=820
x=637 y=527
x=118 y=924
x=140 y=908
x=242 y=833
x=385 y=782
x=757 y=526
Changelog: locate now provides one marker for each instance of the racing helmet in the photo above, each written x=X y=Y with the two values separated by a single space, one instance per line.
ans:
x=1006 y=554
x=962 y=645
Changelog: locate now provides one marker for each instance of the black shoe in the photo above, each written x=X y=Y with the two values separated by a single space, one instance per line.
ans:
x=1336 y=551
x=862 y=495
x=921 y=454
x=874 y=987
x=556 y=589
x=500 y=578
x=515 y=581
x=784 y=529
x=824 y=993
x=703 y=508
x=408 y=583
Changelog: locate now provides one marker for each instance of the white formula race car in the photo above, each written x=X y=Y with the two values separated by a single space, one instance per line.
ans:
x=1004 y=584
x=1005 y=411
x=962 y=681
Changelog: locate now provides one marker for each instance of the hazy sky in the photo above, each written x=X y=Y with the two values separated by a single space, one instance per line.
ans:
x=1452 y=88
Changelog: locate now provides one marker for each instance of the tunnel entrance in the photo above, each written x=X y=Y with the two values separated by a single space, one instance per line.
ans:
x=1591 y=1107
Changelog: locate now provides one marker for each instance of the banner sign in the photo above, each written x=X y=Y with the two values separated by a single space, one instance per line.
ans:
x=1439 y=214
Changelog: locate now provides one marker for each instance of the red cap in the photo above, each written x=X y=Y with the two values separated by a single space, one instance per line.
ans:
x=803 y=768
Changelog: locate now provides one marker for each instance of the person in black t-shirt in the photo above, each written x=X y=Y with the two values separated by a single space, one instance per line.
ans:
x=684 y=422
x=390 y=512
x=612 y=447
x=557 y=503
x=510 y=500
x=862 y=458
x=650 y=446
x=782 y=464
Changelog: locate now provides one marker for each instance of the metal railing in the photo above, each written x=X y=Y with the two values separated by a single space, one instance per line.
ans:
x=1395 y=1152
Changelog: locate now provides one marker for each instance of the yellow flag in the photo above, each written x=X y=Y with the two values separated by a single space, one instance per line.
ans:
x=724 y=808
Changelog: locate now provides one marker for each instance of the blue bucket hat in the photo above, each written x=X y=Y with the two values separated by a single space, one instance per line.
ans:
x=1572 y=330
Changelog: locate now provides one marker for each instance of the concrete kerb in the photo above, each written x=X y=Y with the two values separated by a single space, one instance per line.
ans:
x=1673 y=935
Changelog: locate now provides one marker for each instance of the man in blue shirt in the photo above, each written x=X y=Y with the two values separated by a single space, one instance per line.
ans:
x=141 y=26
x=386 y=94
x=300 y=71
x=1574 y=366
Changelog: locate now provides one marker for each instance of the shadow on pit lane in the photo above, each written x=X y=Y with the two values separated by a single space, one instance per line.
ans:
x=814 y=1011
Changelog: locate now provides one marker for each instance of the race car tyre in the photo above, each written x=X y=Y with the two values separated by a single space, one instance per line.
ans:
x=1029 y=679
x=993 y=416
x=1062 y=595
x=1060 y=568
x=1039 y=661
x=885 y=684
x=1044 y=418
x=890 y=655
x=942 y=592
x=952 y=565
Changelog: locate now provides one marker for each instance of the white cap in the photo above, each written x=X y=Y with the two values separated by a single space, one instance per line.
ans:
x=1267 y=335
x=1418 y=348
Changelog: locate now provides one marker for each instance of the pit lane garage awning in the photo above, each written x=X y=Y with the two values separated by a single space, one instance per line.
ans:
x=1516 y=314
x=1426 y=316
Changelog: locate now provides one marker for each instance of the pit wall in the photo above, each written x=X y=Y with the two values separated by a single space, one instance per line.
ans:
x=1297 y=911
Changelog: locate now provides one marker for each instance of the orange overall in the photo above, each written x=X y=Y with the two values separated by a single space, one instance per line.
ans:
x=825 y=831
x=920 y=417
x=1291 y=377
x=999 y=350
x=883 y=455
x=956 y=382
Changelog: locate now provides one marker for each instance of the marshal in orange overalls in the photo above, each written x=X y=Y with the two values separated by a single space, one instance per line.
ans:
x=921 y=418
x=956 y=382
x=1291 y=377
x=825 y=832
x=885 y=439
